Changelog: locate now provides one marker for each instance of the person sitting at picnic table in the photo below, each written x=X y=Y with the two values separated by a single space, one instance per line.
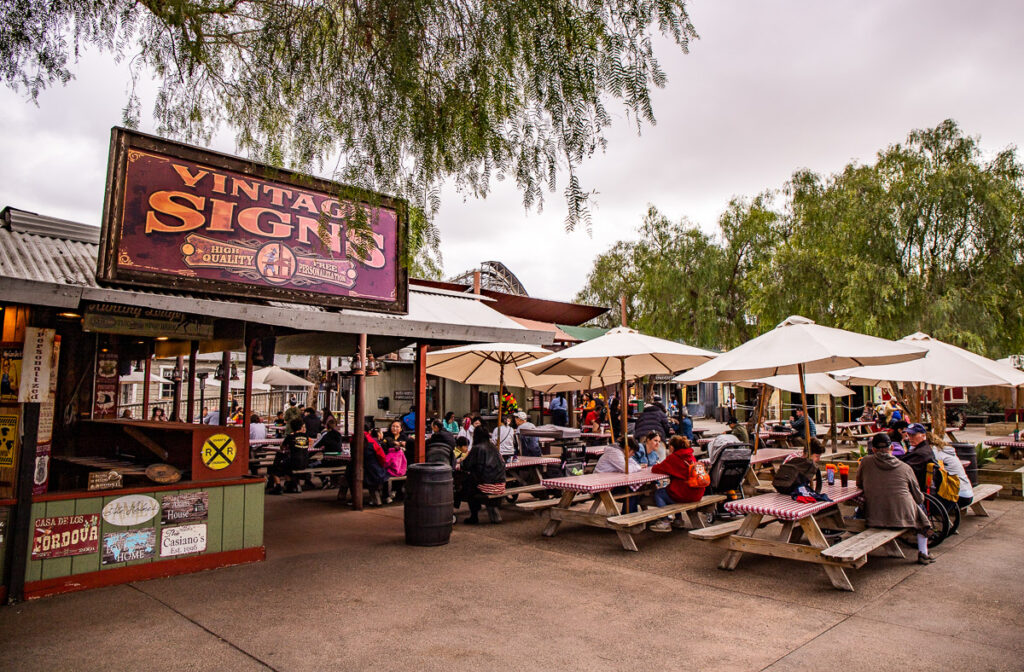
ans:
x=451 y=425
x=409 y=420
x=895 y=434
x=312 y=421
x=257 y=430
x=330 y=442
x=679 y=465
x=375 y=475
x=158 y=415
x=559 y=410
x=461 y=448
x=395 y=436
x=897 y=414
x=441 y=445
x=892 y=496
x=466 y=429
x=739 y=431
x=612 y=461
x=686 y=424
x=529 y=446
x=653 y=419
x=483 y=475
x=798 y=424
x=293 y=456
x=920 y=454
x=279 y=419
x=868 y=414
x=504 y=438
x=651 y=450
x=946 y=454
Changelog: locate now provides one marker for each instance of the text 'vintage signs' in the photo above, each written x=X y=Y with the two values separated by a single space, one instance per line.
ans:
x=218 y=452
x=181 y=217
x=130 y=510
x=183 y=539
x=61 y=536
x=129 y=545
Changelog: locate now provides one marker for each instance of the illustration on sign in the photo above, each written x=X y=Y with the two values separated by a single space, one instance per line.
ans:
x=41 y=472
x=185 y=508
x=129 y=545
x=183 y=217
x=130 y=510
x=10 y=374
x=218 y=452
x=8 y=438
x=105 y=390
x=61 y=536
x=182 y=539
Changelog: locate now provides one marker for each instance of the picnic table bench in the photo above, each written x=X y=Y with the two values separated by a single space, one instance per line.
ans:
x=792 y=513
x=983 y=491
x=604 y=510
x=852 y=432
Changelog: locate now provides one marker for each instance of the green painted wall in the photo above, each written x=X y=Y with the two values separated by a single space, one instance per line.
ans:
x=235 y=521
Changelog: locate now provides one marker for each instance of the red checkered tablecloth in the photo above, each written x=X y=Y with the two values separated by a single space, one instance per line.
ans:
x=265 y=443
x=602 y=482
x=595 y=451
x=1004 y=443
x=785 y=507
x=523 y=462
x=772 y=454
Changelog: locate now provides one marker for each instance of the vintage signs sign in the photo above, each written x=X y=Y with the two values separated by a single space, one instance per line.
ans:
x=61 y=536
x=185 y=508
x=129 y=545
x=140 y=321
x=104 y=397
x=8 y=436
x=10 y=374
x=180 y=217
x=218 y=452
x=105 y=480
x=35 y=365
x=183 y=539
x=130 y=510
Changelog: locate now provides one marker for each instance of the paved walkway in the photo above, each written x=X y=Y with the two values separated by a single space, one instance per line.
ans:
x=340 y=590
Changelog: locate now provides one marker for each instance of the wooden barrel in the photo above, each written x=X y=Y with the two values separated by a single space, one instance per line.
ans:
x=967 y=451
x=428 y=505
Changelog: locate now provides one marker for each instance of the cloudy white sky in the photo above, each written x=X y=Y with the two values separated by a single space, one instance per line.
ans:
x=768 y=88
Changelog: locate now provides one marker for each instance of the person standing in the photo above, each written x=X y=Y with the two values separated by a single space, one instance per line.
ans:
x=291 y=413
x=559 y=410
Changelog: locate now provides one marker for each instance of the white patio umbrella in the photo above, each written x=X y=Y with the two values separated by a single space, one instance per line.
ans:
x=625 y=352
x=275 y=376
x=237 y=385
x=945 y=366
x=799 y=346
x=491 y=364
x=136 y=377
x=814 y=383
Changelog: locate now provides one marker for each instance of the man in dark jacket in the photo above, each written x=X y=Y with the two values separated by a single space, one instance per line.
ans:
x=312 y=422
x=920 y=454
x=652 y=419
x=440 y=445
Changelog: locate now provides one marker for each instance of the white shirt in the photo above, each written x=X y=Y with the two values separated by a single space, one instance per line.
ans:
x=612 y=461
x=257 y=431
x=507 y=442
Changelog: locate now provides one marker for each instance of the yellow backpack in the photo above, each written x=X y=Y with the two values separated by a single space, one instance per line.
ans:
x=949 y=486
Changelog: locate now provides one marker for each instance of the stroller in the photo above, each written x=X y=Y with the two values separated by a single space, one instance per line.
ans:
x=729 y=463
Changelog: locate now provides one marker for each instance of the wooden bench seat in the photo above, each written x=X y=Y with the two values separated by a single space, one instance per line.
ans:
x=654 y=513
x=544 y=504
x=982 y=492
x=723 y=530
x=856 y=548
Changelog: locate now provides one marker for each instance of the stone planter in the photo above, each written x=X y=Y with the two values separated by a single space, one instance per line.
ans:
x=1007 y=473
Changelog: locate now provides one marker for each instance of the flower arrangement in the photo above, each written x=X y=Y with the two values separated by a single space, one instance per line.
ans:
x=509 y=405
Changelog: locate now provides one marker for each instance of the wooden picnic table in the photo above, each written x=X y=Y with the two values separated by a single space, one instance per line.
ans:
x=603 y=507
x=791 y=513
x=852 y=432
x=525 y=475
x=1008 y=443
x=264 y=443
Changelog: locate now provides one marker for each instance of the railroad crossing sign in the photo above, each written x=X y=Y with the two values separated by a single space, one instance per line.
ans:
x=218 y=452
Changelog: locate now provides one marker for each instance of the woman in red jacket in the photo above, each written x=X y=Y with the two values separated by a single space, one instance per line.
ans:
x=679 y=467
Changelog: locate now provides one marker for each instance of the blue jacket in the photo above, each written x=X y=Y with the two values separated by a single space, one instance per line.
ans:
x=686 y=428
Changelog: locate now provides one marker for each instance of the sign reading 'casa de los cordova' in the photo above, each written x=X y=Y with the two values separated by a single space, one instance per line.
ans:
x=184 y=218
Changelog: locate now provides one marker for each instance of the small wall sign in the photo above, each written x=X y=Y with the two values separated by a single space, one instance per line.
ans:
x=129 y=545
x=185 y=508
x=130 y=510
x=105 y=480
x=182 y=540
x=61 y=536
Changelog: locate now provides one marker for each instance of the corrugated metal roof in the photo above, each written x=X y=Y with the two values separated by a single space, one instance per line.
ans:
x=39 y=265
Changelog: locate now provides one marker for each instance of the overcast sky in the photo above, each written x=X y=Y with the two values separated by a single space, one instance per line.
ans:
x=768 y=88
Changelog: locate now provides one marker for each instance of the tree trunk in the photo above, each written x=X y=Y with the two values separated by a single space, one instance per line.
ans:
x=313 y=375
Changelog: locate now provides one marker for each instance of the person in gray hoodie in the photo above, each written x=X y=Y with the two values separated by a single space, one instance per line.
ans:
x=892 y=497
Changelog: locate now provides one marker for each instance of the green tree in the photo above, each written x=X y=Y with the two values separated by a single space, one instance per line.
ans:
x=404 y=95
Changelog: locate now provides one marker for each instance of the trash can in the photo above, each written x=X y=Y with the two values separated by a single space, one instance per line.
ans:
x=429 y=504
x=967 y=451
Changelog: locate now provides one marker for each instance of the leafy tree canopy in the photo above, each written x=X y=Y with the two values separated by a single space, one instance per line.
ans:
x=928 y=238
x=407 y=93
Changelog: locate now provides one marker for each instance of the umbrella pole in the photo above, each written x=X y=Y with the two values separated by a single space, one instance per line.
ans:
x=1016 y=412
x=501 y=396
x=807 y=418
x=832 y=410
x=624 y=433
x=761 y=403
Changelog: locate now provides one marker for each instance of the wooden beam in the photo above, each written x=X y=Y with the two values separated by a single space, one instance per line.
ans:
x=247 y=393
x=179 y=363
x=358 y=439
x=420 y=378
x=22 y=534
x=150 y=445
x=225 y=386
x=190 y=412
x=147 y=370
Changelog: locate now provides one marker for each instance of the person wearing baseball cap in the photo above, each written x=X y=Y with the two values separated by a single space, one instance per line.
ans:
x=529 y=446
x=920 y=454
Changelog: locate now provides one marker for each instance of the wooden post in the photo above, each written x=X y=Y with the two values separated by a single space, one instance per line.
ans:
x=832 y=417
x=622 y=308
x=247 y=398
x=420 y=453
x=179 y=364
x=147 y=370
x=225 y=385
x=190 y=412
x=803 y=403
x=625 y=409
x=22 y=528
x=358 y=439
